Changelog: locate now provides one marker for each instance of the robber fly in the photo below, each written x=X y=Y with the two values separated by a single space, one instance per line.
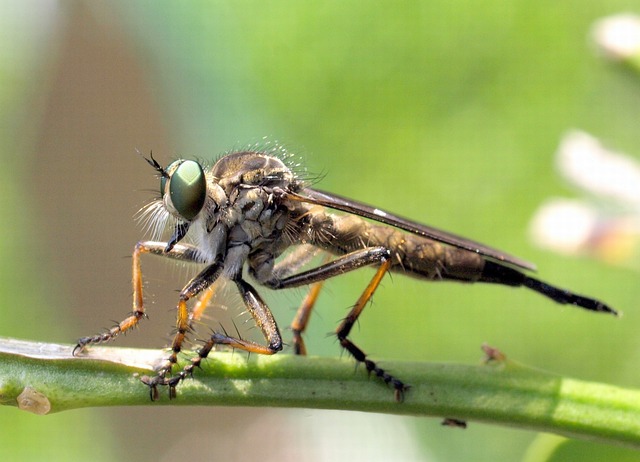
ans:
x=249 y=208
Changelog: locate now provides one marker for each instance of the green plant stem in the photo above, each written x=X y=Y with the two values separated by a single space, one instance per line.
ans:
x=500 y=392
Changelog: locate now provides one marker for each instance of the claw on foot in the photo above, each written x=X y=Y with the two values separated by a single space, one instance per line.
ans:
x=152 y=383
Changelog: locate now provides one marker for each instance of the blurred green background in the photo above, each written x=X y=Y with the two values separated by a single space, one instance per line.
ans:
x=446 y=112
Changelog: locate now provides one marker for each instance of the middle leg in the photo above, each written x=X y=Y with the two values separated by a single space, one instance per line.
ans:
x=184 y=321
x=344 y=329
x=343 y=264
x=301 y=319
x=264 y=320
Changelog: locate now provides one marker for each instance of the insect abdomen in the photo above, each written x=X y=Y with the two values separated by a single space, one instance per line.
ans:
x=412 y=255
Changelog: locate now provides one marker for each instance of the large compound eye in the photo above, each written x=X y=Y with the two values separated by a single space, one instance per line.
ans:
x=187 y=188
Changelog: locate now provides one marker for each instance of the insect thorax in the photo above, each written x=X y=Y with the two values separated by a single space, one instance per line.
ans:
x=241 y=218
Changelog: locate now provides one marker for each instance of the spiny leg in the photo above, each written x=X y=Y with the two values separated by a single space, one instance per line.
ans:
x=184 y=319
x=138 y=304
x=301 y=319
x=347 y=323
x=341 y=265
x=195 y=315
x=264 y=320
x=177 y=252
x=294 y=261
x=201 y=305
x=350 y=262
x=183 y=326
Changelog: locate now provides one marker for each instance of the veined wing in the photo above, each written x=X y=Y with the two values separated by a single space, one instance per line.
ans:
x=333 y=201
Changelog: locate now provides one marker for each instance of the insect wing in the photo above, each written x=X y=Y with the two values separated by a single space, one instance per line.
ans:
x=325 y=199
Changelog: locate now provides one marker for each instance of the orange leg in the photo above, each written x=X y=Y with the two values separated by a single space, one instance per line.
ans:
x=348 y=262
x=138 y=304
x=264 y=320
x=201 y=305
x=184 y=318
x=347 y=323
x=300 y=321
x=183 y=325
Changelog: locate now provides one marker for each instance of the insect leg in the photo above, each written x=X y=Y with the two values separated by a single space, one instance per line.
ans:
x=301 y=319
x=201 y=305
x=341 y=265
x=264 y=320
x=344 y=264
x=179 y=252
x=195 y=315
x=290 y=264
x=344 y=329
x=316 y=276
x=295 y=260
x=183 y=326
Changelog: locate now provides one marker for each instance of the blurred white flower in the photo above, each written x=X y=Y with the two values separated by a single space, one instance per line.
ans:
x=605 y=223
x=618 y=36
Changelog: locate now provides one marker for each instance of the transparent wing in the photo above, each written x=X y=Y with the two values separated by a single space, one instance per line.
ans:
x=333 y=201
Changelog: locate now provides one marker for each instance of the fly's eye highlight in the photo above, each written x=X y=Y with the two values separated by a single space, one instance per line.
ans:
x=187 y=188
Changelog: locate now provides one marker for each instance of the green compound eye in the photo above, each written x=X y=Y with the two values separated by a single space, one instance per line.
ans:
x=187 y=188
x=163 y=184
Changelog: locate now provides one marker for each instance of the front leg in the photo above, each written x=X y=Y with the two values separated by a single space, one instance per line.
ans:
x=264 y=320
x=183 y=325
x=179 y=252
